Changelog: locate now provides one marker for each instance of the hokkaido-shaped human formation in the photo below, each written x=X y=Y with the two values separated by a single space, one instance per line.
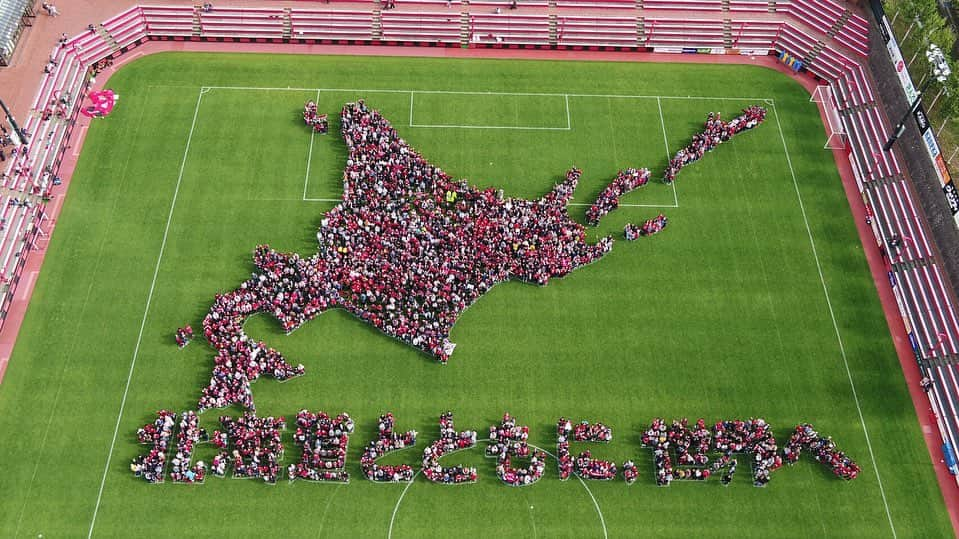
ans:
x=409 y=249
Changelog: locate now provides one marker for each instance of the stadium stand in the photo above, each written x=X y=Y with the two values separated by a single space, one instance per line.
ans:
x=748 y=5
x=331 y=24
x=683 y=5
x=421 y=26
x=243 y=22
x=597 y=30
x=509 y=28
x=170 y=21
x=754 y=34
x=662 y=32
x=600 y=4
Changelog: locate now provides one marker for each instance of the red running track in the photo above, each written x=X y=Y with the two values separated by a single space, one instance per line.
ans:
x=34 y=261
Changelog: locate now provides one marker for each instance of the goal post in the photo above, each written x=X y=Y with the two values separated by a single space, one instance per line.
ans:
x=835 y=132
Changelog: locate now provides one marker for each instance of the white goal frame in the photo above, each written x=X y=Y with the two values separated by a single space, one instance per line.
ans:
x=835 y=132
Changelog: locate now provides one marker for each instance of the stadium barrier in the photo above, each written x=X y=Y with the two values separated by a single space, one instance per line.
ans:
x=822 y=33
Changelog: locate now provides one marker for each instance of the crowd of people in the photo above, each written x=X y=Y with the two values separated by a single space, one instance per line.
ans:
x=188 y=436
x=257 y=447
x=630 y=472
x=508 y=441
x=715 y=133
x=450 y=440
x=239 y=360
x=387 y=440
x=157 y=434
x=317 y=122
x=324 y=440
x=753 y=437
x=183 y=336
x=691 y=447
x=824 y=450
x=584 y=465
x=584 y=431
x=608 y=199
x=652 y=226
x=407 y=251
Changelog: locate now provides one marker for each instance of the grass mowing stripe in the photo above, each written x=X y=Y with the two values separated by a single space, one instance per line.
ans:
x=835 y=325
x=662 y=122
x=146 y=312
x=79 y=319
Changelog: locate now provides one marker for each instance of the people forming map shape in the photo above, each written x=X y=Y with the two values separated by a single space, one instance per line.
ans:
x=409 y=248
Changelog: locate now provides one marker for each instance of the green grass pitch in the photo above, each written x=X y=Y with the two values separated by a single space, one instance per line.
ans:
x=723 y=315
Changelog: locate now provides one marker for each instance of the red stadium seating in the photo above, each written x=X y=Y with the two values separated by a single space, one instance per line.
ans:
x=683 y=5
x=754 y=34
x=599 y=31
x=601 y=4
x=331 y=24
x=242 y=22
x=421 y=26
x=661 y=32
x=509 y=28
x=168 y=20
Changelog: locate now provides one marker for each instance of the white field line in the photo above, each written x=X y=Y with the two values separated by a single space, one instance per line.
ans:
x=511 y=127
x=602 y=520
x=389 y=532
x=514 y=128
x=309 y=156
x=662 y=122
x=835 y=325
x=146 y=312
x=464 y=92
x=631 y=205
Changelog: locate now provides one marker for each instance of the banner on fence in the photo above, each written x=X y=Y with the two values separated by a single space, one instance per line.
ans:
x=670 y=50
x=922 y=122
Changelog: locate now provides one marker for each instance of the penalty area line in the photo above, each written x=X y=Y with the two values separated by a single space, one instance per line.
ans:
x=309 y=156
x=835 y=325
x=146 y=312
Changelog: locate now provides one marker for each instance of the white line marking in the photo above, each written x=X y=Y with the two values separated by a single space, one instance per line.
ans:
x=595 y=504
x=27 y=284
x=516 y=128
x=389 y=533
x=78 y=147
x=602 y=520
x=662 y=122
x=456 y=92
x=835 y=325
x=309 y=156
x=513 y=127
x=311 y=199
x=146 y=312
x=631 y=205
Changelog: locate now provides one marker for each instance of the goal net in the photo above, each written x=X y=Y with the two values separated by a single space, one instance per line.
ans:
x=835 y=133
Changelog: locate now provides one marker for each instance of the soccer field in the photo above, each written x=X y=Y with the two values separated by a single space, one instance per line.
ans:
x=756 y=301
